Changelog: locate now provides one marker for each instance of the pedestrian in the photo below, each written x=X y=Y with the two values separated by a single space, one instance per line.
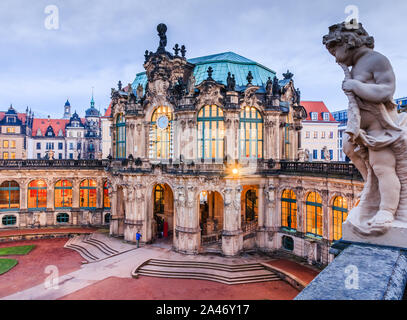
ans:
x=138 y=236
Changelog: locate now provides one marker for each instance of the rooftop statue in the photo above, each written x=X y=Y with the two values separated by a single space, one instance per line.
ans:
x=376 y=137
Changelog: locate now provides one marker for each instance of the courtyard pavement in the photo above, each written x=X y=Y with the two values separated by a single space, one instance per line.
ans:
x=111 y=279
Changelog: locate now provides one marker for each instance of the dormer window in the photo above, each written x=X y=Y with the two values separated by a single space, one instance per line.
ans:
x=39 y=132
x=325 y=116
x=314 y=116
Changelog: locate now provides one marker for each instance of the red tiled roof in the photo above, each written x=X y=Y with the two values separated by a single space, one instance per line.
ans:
x=21 y=116
x=42 y=124
x=108 y=112
x=317 y=106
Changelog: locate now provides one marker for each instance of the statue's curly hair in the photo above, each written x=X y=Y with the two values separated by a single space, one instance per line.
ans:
x=353 y=38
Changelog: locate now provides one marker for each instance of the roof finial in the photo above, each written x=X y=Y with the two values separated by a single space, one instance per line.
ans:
x=92 y=102
x=210 y=71
x=249 y=77
x=119 y=85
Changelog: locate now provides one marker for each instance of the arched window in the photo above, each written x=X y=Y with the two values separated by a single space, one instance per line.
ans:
x=63 y=194
x=9 y=195
x=339 y=215
x=251 y=134
x=9 y=220
x=37 y=195
x=62 y=218
x=161 y=134
x=211 y=132
x=314 y=214
x=120 y=137
x=251 y=205
x=87 y=194
x=106 y=199
x=289 y=209
x=158 y=199
x=108 y=217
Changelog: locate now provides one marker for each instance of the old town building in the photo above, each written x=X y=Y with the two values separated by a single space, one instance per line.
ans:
x=319 y=133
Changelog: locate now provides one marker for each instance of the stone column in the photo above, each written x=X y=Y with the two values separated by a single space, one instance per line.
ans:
x=232 y=236
x=187 y=237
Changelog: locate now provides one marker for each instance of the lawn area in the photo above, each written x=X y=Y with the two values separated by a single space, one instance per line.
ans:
x=11 y=251
x=7 y=264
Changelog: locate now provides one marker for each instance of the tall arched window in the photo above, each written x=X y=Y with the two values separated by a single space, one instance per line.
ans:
x=158 y=199
x=314 y=214
x=251 y=133
x=161 y=135
x=211 y=132
x=120 y=137
x=106 y=199
x=339 y=215
x=9 y=195
x=289 y=209
x=88 y=194
x=63 y=194
x=251 y=206
x=37 y=195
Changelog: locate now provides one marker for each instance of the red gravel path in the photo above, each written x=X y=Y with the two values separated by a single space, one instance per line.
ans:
x=302 y=272
x=29 y=271
x=151 y=288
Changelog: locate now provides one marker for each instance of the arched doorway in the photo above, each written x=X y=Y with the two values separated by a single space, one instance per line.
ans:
x=163 y=223
x=210 y=216
x=249 y=209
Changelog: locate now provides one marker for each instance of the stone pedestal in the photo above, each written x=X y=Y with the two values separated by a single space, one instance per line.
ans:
x=232 y=242
x=187 y=240
x=396 y=236
x=361 y=272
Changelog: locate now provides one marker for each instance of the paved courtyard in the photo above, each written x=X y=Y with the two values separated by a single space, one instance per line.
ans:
x=110 y=277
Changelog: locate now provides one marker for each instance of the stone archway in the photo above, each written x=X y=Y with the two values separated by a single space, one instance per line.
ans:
x=162 y=213
x=211 y=216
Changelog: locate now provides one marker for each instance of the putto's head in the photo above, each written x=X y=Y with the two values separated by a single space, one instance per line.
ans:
x=341 y=41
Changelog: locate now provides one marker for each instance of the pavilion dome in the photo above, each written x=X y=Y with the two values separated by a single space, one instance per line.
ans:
x=222 y=63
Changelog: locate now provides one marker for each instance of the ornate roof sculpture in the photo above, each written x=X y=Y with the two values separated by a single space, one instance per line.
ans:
x=171 y=79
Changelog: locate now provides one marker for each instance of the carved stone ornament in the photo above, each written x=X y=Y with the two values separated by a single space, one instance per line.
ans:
x=250 y=98
x=209 y=94
x=228 y=196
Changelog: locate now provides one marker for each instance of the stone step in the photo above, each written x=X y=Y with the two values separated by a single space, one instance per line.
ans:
x=83 y=252
x=104 y=245
x=209 y=276
x=207 y=265
x=205 y=270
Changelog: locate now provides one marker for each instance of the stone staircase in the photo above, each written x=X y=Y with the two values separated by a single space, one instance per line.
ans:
x=95 y=247
x=203 y=270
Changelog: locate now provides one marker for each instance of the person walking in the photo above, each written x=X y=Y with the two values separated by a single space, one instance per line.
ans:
x=138 y=237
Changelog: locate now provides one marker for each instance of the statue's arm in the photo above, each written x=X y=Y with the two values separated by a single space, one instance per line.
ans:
x=384 y=87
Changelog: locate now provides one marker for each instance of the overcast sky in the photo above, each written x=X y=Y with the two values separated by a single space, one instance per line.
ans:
x=102 y=41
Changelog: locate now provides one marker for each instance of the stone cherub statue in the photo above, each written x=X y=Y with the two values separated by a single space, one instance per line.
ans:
x=376 y=139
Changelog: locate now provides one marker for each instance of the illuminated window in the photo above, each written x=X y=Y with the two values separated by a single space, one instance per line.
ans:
x=158 y=199
x=314 y=214
x=210 y=132
x=9 y=220
x=251 y=205
x=11 y=130
x=289 y=209
x=251 y=133
x=37 y=195
x=12 y=155
x=161 y=134
x=106 y=199
x=63 y=194
x=5 y=155
x=87 y=194
x=13 y=144
x=9 y=195
x=339 y=215
x=120 y=137
x=62 y=218
x=5 y=143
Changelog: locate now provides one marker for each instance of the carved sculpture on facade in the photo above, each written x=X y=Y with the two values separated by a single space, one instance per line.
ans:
x=209 y=93
x=376 y=137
